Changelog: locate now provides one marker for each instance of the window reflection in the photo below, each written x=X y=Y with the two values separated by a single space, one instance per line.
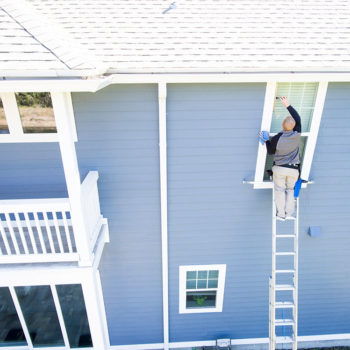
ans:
x=74 y=313
x=40 y=315
x=11 y=332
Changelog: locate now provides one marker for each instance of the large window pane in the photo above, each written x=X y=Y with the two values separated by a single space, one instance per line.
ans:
x=11 y=332
x=200 y=299
x=74 y=314
x=4 y=129
x=302 y=97
x=269 y=157
x=40 y=315
x=35 y=109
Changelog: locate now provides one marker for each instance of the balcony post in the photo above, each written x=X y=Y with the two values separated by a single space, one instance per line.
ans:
x=66 y=134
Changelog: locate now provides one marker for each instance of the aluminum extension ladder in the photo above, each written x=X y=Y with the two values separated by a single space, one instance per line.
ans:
x=283 y=308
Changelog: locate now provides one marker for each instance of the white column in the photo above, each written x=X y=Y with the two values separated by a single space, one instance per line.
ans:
x=60 y=101
x=95 y=309
x=162 y=91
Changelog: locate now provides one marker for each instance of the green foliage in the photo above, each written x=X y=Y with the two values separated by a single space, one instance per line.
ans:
x=200 y=300
x=29 y=99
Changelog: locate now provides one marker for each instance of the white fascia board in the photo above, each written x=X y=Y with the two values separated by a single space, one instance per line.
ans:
x=228 y=78
x=53 y=73
x=24 y=275
x=54 y=85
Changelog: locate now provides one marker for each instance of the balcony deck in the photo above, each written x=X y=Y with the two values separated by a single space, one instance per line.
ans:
x=42 y=230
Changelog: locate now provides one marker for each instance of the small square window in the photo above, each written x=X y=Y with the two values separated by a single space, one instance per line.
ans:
x=202 y=288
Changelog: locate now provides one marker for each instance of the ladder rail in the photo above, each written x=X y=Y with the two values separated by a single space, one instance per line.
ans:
x=294 y=287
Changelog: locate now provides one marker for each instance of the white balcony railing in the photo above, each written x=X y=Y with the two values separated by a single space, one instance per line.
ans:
x=41 y=230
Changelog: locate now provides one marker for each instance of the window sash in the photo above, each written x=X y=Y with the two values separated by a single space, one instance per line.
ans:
x=311 y=135
x=219 y=290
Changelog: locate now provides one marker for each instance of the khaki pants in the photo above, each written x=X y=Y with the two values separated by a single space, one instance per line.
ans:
x=284 y=180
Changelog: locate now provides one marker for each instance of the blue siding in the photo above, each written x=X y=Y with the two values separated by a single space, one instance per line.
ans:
x=31 y=170
x=324 y=261
x=214 y=218
x=118 y=136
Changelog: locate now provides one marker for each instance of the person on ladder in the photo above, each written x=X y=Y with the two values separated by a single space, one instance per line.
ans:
x=285 y=147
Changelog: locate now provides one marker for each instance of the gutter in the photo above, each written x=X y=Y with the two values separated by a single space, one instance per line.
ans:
x=55 y=85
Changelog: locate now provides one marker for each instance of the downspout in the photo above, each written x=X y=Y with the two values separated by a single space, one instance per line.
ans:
x=162 y=91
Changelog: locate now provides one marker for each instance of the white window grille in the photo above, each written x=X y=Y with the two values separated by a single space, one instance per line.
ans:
x=202 y=288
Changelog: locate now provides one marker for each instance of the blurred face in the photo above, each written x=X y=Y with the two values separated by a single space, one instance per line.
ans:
x=288 y=124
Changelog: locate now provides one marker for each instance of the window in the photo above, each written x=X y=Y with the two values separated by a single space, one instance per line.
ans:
x=36 y=112
x=308 y=99
x=4 y=129
x=52 y=316
x=202 y=288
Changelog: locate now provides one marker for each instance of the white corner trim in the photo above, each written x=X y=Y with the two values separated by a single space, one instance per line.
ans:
x=220 y=289
x=314 y=128
x=162 y=92
x=265 y=125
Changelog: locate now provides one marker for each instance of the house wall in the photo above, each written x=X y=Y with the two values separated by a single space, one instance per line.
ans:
x=118 y=136
x=31 y=170
x=213 y=217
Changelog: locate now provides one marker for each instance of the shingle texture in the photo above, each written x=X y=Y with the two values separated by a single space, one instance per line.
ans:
x=31 y=42
x=208 y=35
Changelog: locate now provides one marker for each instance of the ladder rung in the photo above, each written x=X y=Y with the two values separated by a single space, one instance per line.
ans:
x=285 y=271
x=284 y=322
x=284 y=287
x=285 y=236
x=284 y=304
x=281 y=340
x=285 y=253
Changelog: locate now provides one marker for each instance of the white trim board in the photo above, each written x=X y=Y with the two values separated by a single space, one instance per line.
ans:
x=55 y=85
x=246 y=341
x=228 y=78
x=162 y=94
x=94 y=84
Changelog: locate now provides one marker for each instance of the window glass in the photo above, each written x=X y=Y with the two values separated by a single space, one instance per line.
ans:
x=40 y=315
x=269 y=158
x=200 y=299
x=4 y=129
x=11 y=332
x=204 y=279
x=302 y=97
x=74 y=314
x=36 y=112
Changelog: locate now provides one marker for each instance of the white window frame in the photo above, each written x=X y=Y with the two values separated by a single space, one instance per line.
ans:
x=14 y=123
x=219 y=290
x=88 y=278
x=311 y=135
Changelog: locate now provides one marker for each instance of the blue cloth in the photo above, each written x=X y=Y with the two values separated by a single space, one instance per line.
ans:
x=263 y=137
x=297 y=188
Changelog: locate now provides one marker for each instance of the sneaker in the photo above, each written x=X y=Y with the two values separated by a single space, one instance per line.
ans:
x=290 y=217
x=280 y=218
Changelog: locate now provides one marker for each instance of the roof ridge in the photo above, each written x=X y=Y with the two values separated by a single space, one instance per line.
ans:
x=52 y=36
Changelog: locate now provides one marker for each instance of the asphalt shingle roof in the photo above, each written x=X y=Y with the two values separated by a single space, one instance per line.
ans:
x=29 y=43
x=208 y=35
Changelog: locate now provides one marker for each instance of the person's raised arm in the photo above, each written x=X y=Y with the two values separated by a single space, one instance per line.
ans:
x=293 y=113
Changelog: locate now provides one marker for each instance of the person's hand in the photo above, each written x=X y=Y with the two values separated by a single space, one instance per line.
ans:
x=285 y=101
